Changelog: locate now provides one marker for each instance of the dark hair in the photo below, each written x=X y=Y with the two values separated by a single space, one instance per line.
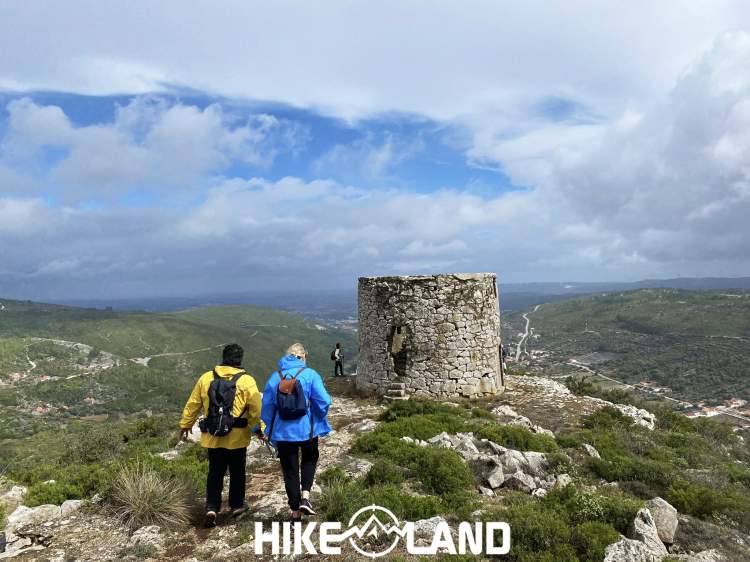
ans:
x=232 y=355
x=338 y=344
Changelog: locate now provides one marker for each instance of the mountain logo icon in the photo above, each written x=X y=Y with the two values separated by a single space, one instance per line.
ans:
x=370 y=530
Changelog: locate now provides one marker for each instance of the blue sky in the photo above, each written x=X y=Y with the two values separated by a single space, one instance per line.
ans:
x=300 y=146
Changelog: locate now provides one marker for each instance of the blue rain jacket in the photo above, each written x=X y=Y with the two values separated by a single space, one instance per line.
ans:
x=317 y=396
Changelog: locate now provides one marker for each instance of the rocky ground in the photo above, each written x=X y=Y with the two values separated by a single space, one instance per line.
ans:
x=84 y=531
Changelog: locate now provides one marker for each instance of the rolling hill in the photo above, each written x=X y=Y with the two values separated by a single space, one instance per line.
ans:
x=59 y=363
x=693 y=342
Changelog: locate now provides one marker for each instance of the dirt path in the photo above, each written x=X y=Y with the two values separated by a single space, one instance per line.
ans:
x=146 y=360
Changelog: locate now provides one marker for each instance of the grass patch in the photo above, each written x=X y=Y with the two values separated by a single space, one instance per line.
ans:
x=141 y=496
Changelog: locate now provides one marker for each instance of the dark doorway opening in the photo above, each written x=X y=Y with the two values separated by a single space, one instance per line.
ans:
x=398 y=347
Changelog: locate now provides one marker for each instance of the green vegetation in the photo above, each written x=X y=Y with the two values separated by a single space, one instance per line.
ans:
x=566 y=525
x=694 y=342
x=90 y=459
x=59 y=364
x=699 y=466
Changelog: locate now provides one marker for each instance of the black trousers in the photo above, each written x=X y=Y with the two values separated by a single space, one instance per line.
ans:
x=298 y=474
x=219 y=460
x=338 y=368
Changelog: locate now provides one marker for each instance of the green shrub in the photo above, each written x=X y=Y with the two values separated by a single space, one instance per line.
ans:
x=607 y=418
x=536 y=531
x=591 y=538
x=70 y=482
x=333 y=474
x=441 y=471
x=98 y=443
x=141 y=496
x=415 y=407
x=384 y=472
x=340 y=500
x=423 y=426
x=705 y=501
x=515 y=437
x=2 y=515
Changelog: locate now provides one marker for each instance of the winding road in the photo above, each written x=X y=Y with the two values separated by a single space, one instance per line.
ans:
x=526 y=333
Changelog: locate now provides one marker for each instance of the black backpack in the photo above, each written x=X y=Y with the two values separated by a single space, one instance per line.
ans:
x=219 y=421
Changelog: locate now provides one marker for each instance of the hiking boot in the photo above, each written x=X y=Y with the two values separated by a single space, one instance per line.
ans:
x=239 y=511
x=306 y=507
x=210 y=519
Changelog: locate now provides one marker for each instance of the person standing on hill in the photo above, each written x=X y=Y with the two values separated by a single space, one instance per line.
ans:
x=230 y=402
x=338 y=358
x=295 y=411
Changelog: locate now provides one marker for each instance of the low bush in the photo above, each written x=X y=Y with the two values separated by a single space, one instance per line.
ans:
x=384 y=472
x=97 y=443
x=515 y=437
x=341 y=499
x=140 y=496
x=408 y=408
x=441 y=471
x=332 y=474
x=2 y=515
x=69 y=482
x=567 y=524
x=590 y=539
x=706 y=501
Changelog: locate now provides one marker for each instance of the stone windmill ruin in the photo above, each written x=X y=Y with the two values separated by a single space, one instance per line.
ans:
x=435 y=336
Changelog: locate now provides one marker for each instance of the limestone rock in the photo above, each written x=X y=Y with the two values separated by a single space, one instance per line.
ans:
x=638 y=415
x=520 y=481
x=644 y=530
x=362 y=426
x=428 y=526
x=591 y=451
x=703 y=556
x=665 y=518
x=13 y=497
x=539 y=493
x=69 y=506
x=562 y=480
x=496 y=477
x=24 y=516
x=628 y=550
x=148 y=536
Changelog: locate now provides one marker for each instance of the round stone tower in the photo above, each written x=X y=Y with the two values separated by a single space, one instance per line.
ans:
x=434 y=336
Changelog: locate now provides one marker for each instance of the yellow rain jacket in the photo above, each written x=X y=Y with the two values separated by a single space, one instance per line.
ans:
x=247 y=397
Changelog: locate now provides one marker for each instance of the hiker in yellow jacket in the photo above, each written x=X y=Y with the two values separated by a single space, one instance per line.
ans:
x=225 y=435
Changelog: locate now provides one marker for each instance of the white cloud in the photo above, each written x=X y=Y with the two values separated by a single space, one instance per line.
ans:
x=442 y=60
x=151 y=144
x=367 y=157
x=668 y=184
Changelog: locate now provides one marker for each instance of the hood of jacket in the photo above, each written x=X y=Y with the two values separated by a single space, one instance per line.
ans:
x=291 y=362
x=226 y=372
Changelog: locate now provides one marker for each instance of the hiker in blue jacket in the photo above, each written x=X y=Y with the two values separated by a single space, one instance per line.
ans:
x=293 y=437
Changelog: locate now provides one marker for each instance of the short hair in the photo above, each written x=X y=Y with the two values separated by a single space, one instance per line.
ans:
x=232 y=355
x=298 y=350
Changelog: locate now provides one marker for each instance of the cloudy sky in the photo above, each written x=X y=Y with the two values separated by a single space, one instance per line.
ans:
x=175 y=148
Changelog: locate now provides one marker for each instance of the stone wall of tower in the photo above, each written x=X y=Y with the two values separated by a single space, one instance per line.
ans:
x=435 y=336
